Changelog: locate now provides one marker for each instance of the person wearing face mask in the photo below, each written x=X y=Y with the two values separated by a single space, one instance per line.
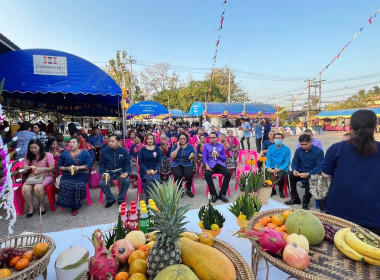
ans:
x=306 y=161
x=278 y=160
x=214 y=157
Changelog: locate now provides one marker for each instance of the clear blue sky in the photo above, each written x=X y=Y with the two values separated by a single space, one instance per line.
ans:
x=277 y=38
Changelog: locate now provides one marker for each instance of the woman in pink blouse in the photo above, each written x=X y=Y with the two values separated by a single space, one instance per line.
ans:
x=130 y=140
x=234 y=143
x=37 y=162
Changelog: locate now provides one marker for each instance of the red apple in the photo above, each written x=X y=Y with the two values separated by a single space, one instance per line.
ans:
x=295 y=256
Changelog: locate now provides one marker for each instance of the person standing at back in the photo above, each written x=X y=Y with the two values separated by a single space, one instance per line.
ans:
x=267 y=129
x=96 y=140
x=24 y=136
x=258 y=135
x=207 y=126
x=246 y=128
x=354 y=166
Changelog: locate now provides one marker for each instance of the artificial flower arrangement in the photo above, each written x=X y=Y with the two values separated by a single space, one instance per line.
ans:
x=210 y=218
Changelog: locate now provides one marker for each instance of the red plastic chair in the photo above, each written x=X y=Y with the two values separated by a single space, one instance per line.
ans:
x=118 y=186
x=246 y=154
x=18 y=199
x=220 y=179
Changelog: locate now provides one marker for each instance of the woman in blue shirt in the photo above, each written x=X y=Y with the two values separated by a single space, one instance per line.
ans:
x=150 y=163
x=182 y=165
x=72 y=187
x=354 y=166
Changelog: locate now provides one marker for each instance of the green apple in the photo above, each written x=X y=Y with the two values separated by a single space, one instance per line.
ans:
x=300 y=240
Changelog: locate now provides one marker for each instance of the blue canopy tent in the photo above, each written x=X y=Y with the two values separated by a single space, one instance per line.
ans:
x=345 y=113
x=177 y=113
x=50 y=80
x=147 y=109
x=232 y=110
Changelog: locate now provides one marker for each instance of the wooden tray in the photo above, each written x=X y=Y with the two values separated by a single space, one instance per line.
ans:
x=326 y=261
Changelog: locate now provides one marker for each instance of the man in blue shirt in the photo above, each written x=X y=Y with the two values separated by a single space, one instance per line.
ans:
x=96 y=140
x=267 y=129
x=246 y=128
x=214 y=156
x=278 y=160
x=306 y=161
x=193 y=131
x=258 y=135
x=114 y=165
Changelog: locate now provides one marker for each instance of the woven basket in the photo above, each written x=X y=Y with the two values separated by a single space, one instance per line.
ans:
x=243 y=270
x=263 y=194
x=326 y=261
x=37 y=266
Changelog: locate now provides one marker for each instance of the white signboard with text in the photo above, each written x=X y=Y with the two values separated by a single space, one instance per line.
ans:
x=50 y=65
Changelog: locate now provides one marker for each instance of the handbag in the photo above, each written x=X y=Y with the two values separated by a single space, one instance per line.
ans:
x=95 y=179
x=39 y=179
x=319 y=186
x=58 y=181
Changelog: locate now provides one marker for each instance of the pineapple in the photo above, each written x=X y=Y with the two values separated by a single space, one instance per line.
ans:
x=169 y=223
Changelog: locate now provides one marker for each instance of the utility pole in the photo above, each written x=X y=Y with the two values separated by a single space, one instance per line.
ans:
x=320 y=93
x=229 y=82
x=130 y=64
x=292 y=107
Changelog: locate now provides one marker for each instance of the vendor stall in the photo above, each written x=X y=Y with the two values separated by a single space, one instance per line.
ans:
x=339 y=120
x=147 y=110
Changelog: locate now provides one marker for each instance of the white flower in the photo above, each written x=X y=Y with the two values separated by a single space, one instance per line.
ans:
x=6 y=129
x=154 y=154
x=14 y=138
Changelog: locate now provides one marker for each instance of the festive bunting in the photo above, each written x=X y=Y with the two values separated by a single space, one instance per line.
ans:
x=216 y=54
x=353 y=38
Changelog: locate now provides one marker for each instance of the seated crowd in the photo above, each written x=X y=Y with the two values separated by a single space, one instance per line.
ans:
x=157 y=153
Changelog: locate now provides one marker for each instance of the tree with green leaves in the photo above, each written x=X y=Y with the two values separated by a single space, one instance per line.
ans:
x=221 y=79
x=362 y=99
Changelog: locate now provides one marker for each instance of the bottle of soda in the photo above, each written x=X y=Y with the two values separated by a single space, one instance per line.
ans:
x=133 y=220
x=123 y=216
x=143 y=220
x=151 y=218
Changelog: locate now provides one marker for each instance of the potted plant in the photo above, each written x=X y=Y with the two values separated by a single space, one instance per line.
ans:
x=244 y=208
x=210 y=219
x=265 y=190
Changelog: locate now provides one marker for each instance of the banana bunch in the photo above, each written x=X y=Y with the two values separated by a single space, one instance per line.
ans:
x=34 y=170
x=348 y=243
x=72 y=170
x=191 y=156
x=107 y=178
x=214 y=153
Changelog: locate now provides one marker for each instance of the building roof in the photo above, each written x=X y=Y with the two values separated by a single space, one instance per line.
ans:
x=7 y=45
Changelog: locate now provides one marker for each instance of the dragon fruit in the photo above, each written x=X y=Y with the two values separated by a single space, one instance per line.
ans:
x=270 y=240
x=103 y=265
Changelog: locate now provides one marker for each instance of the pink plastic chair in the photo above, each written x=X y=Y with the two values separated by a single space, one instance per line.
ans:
x=246 y=154
x=220 y=178
x=118 y=186
x=18 y=199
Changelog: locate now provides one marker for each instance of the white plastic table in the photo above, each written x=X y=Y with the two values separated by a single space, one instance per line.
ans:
x=72 y=237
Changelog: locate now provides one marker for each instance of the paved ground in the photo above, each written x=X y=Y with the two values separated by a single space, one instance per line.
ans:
x=96 y=214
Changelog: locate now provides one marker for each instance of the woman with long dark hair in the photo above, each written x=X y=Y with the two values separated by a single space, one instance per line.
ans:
x=53 y=148
x=182 y=166
x=150 y=163
x=75 y=165
x=36 y=163
x=354 y=166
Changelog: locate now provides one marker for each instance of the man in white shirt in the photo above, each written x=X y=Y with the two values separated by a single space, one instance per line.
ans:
x=207 y=126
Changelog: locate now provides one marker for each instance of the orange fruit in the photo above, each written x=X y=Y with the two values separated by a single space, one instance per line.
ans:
x=279 y=229
x=122 y=276
x=138 y=266
x=28 y=255
x=285 y=214
x=136 y=255
x=258 y=225
x=4 y=273
x=277 y=220
x=138 y=276
x=285 y=235
x=284 y=228
x=272 y=225
x=21 y=264
x=145 y=249
x=206 y=238
x=264 y=221
x=14 y=260
x=40 y=249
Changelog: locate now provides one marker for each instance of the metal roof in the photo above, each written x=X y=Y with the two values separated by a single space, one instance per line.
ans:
x=7 y=45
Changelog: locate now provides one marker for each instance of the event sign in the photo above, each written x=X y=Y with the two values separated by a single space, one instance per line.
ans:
x=50 y=65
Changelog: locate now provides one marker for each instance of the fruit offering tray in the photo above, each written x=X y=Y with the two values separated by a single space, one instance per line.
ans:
x=326 y=261
x=243 y=270
x=36 y=266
